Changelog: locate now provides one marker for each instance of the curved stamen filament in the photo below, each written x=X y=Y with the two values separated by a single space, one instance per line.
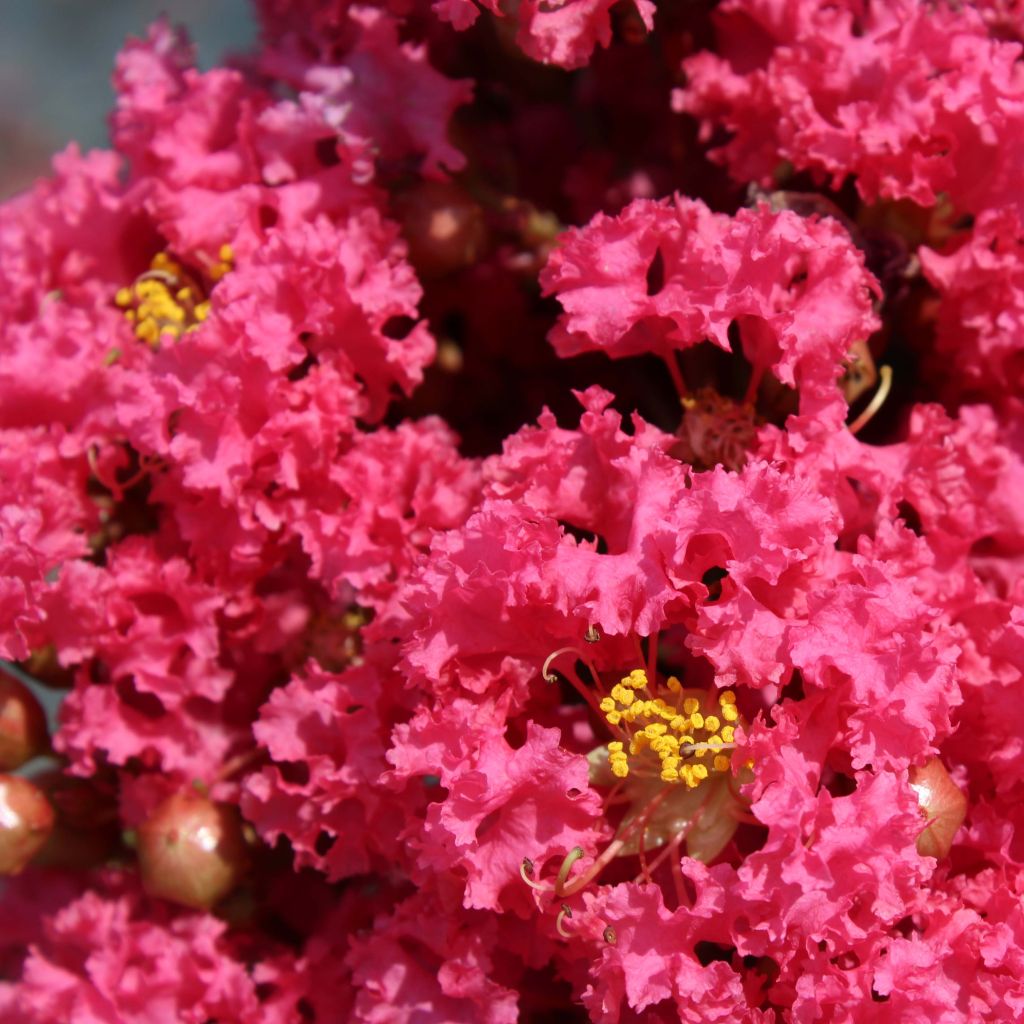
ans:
x=563 y=914
x=885 y=372
x=526 y=874
x=612 y=849
x=563 y=872
x=118 y=488
x=674 y=372
x=586 y=692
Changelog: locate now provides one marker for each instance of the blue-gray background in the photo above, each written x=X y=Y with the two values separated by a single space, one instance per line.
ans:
x=56 y=57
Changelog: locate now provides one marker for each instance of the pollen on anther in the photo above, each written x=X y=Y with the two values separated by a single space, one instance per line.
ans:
x=678 y=735
x=162 y=301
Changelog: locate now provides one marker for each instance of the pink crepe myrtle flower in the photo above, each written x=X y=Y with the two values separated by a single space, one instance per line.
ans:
x=918 y=102
x=706 y=711
x=796 y=287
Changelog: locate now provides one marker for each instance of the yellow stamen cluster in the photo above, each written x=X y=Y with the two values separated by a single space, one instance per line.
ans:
x=166 y=300
x=689 y=736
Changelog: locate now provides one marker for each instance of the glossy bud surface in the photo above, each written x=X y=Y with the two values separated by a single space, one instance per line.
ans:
x=26 y=820
x=191 y=851
x=942 y=804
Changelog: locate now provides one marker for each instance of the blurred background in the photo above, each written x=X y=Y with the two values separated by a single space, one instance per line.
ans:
x=56 y=58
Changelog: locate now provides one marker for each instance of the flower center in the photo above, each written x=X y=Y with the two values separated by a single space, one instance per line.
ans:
x=681 y=738
x=166 y=300
x=715 y=430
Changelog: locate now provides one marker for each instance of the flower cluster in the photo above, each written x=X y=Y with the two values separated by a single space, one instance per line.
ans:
x=493 y=565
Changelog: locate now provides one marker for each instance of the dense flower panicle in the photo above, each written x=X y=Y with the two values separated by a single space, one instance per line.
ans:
x=693 y=693
x=796 y=287
x=917 y=101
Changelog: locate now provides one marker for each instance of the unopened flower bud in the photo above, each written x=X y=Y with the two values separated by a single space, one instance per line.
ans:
x=191 y=851
x=23 y=732
x=26 y=819
x=942 y=804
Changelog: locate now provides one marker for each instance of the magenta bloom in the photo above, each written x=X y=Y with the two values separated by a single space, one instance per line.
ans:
x=518 y=509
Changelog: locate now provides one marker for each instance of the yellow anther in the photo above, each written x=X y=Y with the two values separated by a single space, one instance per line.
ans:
x=163 y=301
x=728 y=734
x=615 y=747
x=697 y=719
x=690 y=705
x=637 y=679
x=613 y=717
x=714 y=742
x=669 y=775
x=729 y=712
x=148 y=332
x=711 y=723
x=721 y=763
x=673 y=684
x=655 y=729
x=686 y=773
x=670 y=762
x=678 y=724
x=726 y=697
x=620 y=769
x=226 y=253
x=700 y=771
x=607 y=704
x=622 y=695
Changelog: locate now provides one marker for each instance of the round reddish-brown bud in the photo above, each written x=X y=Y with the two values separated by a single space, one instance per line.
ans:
x=23 y=732
x=191 y=851
x=943 y=807
x=26 y=820
x=442 y=225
